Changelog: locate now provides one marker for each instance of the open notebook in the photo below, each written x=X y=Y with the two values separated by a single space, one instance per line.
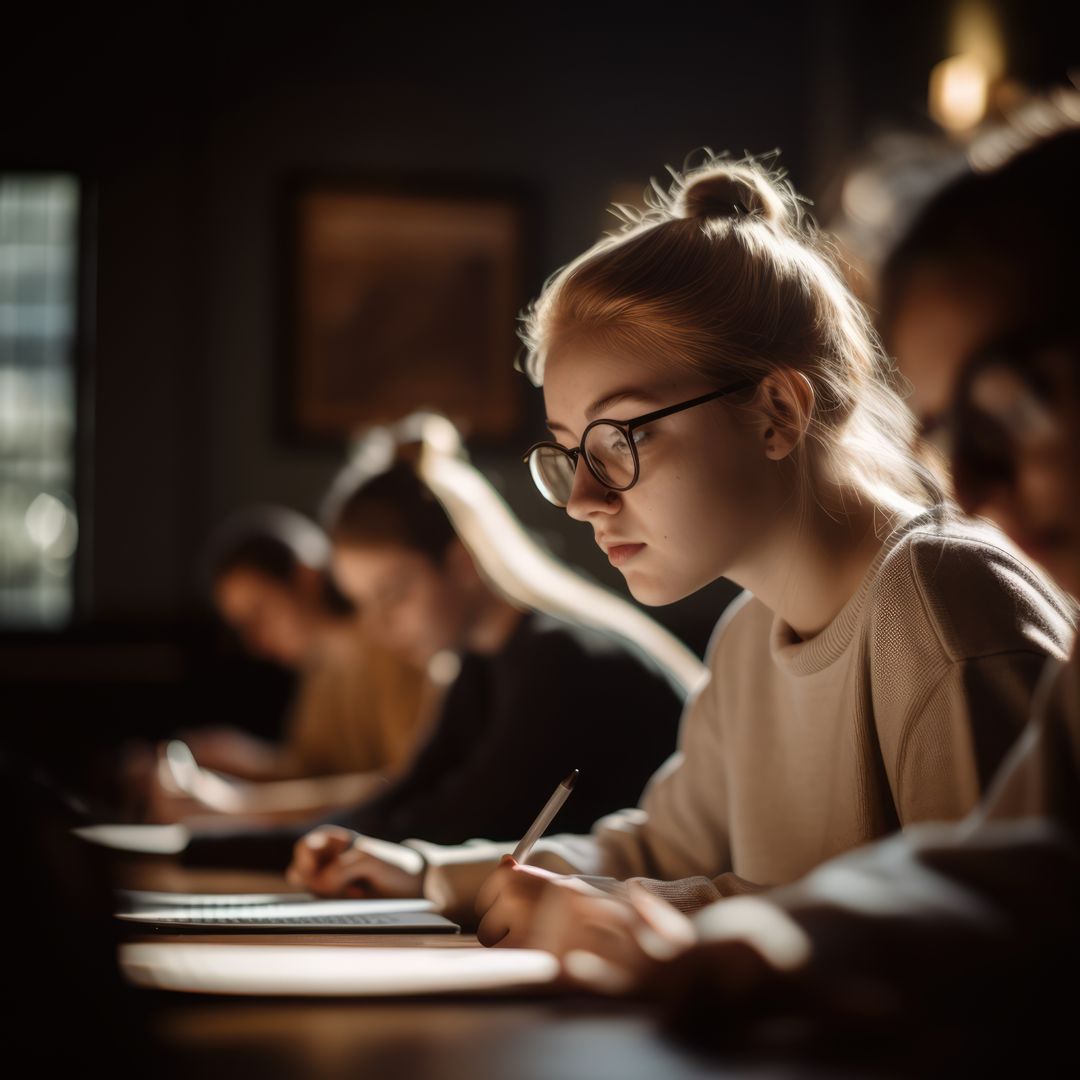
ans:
x=282 y=913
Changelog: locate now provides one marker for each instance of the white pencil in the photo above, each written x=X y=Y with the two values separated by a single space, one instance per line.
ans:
x=545 y=817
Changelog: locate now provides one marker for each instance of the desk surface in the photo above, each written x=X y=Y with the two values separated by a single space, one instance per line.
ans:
x=169 y=875
x=487 y=1038
x=423 y=1040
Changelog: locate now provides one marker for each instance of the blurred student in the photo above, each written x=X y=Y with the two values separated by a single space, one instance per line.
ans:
x=533 y=699
x=722 y=408
x=971 y=926
x=358 y=710
x=359 y=707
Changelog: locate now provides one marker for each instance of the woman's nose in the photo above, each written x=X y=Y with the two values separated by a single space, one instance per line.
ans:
x=588 y=496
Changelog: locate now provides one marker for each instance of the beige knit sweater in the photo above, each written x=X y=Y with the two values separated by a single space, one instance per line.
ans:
x=899 y=711
x=964 y=919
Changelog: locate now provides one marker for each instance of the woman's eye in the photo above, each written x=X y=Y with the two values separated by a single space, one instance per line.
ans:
x=619 y=444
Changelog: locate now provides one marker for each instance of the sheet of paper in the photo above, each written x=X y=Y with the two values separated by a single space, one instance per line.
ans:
x=144 y=899
x=144 y=839
x=318 y=971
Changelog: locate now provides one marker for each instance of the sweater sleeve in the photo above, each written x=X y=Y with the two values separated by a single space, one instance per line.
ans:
x=936 y=880
x=1040 y=777
x=689 y=894
x=971 y=915
x=955 y=738
x=675 y=840
x=680 y=829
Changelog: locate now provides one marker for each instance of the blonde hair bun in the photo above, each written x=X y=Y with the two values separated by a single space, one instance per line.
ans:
x=729 y=190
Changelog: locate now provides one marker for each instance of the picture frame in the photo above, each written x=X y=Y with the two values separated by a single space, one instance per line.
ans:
x=403 y=295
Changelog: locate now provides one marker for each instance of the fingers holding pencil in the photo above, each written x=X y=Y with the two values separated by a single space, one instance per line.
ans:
x=506 y=899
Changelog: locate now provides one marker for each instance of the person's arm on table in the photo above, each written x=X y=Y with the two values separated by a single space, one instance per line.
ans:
x=945 y=925
x=678 y=832
x=672 y=845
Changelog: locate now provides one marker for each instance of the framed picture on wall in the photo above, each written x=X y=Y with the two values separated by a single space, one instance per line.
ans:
x=400 y=297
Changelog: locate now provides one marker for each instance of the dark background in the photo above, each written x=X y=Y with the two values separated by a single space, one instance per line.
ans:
x=187 y=123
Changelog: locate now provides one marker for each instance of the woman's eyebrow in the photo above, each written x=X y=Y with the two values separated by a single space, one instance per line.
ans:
x=604 y=403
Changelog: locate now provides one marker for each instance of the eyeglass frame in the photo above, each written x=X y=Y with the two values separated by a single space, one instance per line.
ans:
x=628 y=427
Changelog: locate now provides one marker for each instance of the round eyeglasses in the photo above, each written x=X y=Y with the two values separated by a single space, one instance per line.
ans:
x=609 y=449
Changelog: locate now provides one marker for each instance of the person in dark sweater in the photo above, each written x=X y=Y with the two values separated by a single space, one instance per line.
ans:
x=532 y=699
x=554 y=698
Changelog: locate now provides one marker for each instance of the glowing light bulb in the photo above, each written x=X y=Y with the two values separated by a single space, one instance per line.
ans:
x=959 y=92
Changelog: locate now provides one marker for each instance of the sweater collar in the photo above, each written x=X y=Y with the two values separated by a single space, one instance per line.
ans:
x=825 y=648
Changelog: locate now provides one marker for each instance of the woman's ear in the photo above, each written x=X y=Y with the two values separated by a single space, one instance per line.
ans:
x=786 y=401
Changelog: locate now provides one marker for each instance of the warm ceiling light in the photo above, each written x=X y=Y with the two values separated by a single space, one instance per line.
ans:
x=959 y=92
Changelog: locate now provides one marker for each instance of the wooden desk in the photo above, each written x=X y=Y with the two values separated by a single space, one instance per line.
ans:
x=517 y=1037
x=168 y=875
x=420 y=1040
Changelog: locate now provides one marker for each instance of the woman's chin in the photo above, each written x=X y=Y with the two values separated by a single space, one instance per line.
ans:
x=648 y=590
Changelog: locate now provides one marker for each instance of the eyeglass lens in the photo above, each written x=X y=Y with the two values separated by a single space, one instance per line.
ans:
x=553 y=473
x=608 y=451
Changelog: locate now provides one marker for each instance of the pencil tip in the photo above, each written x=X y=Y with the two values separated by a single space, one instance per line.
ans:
x=571 y=779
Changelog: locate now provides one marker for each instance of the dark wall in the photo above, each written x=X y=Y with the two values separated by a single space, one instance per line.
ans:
x=188 y=126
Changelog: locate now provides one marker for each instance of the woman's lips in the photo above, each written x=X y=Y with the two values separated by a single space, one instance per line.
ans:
x=623 y=553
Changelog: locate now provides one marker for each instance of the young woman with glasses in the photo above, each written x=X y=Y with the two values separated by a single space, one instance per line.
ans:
x=719 y=407
x=955 y=944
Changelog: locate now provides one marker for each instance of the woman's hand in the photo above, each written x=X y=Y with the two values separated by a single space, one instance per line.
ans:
x=238 y=753
x=507 y=901
x=609 y=944
x=741 y=952
x=525 y=906
x=746 y=956
x=332 y=861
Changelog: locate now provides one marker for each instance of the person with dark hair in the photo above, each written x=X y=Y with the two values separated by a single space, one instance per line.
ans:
x=532 y=697
x=397 y=556
x=358 y=709
x=268 y=571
